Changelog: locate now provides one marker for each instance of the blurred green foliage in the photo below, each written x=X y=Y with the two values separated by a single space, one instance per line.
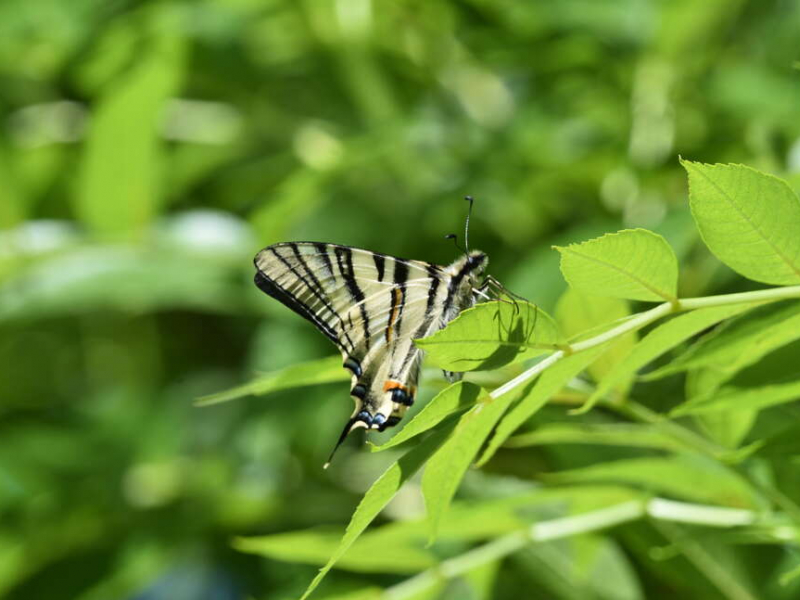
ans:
x=149 y=149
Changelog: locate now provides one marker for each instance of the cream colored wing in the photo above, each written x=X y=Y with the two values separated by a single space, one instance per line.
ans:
x=370 y=305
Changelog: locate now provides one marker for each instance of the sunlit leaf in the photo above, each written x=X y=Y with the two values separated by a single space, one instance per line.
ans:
x=491 y=335
x=379 y=495
x=635 y=264
x=741 y=342
x=611 y=434
x=447 y=466
x=684 y=476
x=773 y=380
x=549 y=383
x=578 y=313
x=452 y=400
x=734 y=399
x=366 y=555
x=661 y=339
x=748 y=219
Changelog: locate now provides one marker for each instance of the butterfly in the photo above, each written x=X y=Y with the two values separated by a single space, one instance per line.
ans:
x=372 y=307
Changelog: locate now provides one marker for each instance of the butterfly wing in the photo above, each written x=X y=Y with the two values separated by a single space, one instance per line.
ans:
x=371 y=306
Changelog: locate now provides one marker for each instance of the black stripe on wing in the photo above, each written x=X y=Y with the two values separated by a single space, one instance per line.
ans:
x=313 y=285
x=380 y=264
x=322 y=252
x=269 y=287
x=400 y=278
x=430 y=311
x=344 y=260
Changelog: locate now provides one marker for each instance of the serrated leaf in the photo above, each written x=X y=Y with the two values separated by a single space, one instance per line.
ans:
x=660 y=340
x=366 y=555
x=490 y=335
x=451 y=400
x=748 y=219
x=741 y=342
x=549 y=383
x=315 y=372
x=634 y=264
x=379 y=495
x=607 y=434
x=578 y=313
x=447 y=466
x=688 y=477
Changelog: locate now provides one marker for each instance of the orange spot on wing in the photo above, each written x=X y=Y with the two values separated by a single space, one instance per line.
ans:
x=396 y=297
x=394 y=385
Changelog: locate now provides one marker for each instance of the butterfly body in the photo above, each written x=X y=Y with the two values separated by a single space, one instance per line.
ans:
x=372 y=307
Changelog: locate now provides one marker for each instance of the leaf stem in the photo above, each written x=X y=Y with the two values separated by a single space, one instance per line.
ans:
x=643 y=319
x=544 y=531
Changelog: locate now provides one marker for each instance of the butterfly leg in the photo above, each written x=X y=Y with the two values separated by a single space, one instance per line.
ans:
x=490 y=283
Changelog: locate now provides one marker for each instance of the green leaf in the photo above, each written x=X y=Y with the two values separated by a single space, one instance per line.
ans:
x=490 y=335
x=741 y=342
x=578 y=313
x=635 y=264
x=119 y=277
x=366 y=555
x=690 y=477
x=451 y=400
x=727 y=428
x=482 y=580
x=748 y=219
x=661 y=339
x=735 y=399
x=535 y=397
x=364 y=593
x=714 y=559
x=446 y=468
x=604 y=569
x=315 y=372
x=118 y=188
x=379 y=495
x=607 y=434
x=773 y=380
x=473 y=520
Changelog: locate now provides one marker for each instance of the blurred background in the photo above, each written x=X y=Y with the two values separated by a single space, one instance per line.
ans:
x=148 y=149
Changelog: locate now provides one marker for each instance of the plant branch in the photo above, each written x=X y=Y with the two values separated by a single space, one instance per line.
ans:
x=645 y=318
x=656 y=508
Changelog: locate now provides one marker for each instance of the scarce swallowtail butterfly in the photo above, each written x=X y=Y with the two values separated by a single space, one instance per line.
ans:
x=372 y=307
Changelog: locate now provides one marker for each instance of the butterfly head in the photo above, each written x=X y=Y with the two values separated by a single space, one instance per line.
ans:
x=469 y=269
x=476 y=262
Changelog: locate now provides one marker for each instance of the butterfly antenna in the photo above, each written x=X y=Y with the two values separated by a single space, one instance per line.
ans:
x=471 y=200
x=454 y=237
